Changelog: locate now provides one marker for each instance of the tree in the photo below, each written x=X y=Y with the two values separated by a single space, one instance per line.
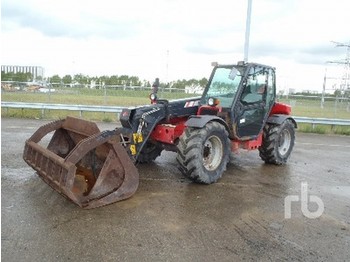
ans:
x=81 y=80
x=55 y=79
x=67 y=79
x=134 y=80
x=347 y=93
x=5 y=76
x=114 y=80
x=203 y=82
x=20 y=76
x=104 y=80
x=85 y=80
x=124 y=79
x=337 y=93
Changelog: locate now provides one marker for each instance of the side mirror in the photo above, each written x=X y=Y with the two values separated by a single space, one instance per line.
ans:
x=233 y=73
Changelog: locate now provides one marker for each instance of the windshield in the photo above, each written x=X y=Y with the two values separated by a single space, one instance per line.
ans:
x=224 y=85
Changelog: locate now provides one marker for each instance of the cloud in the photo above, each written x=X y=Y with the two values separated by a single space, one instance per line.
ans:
x=32 y=19
x=215 y=46
x=134 y=37
x=315 y=53
x=67 y=20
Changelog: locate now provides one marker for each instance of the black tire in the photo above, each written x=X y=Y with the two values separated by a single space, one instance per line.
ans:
x=149 y=153
x=203 y=153
x=278 y=142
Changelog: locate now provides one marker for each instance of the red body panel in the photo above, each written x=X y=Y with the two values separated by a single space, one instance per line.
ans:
x=168 y=133
x=280 y=108
x=248 y=144
x=205 y=108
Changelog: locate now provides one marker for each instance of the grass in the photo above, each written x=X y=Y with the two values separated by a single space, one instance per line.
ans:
x=83 y=96
x=126 y=98
x=81 y=99
x=324 y=129
x=312 y=108
x=59 y=114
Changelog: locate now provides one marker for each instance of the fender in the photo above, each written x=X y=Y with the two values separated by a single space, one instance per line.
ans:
x=278 y=119
x=200 y=121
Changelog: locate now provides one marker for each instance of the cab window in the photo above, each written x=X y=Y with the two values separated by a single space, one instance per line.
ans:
x=256 y=86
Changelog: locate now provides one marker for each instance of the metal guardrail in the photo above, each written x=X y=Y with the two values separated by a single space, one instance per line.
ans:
x=322 y=121
x=118 y=110
x=80 y=108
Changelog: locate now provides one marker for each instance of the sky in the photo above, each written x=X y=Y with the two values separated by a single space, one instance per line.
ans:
x=176 y=39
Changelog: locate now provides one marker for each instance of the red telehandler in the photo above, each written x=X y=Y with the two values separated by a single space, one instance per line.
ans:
x=238 y=109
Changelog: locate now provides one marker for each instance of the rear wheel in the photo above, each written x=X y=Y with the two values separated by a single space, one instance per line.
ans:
x=204 y=153
x=278 y=143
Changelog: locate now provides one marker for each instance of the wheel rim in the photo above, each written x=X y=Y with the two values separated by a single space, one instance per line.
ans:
x=212 y=153
x=285 y=140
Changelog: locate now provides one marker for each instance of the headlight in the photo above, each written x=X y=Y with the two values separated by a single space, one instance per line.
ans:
x=153 y=96
x=211 y=101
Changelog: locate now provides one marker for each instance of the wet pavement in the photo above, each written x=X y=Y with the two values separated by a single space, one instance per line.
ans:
x=240 y=218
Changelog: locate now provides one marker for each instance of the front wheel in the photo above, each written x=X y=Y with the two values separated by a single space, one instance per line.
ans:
x=278 y=142
x=204 y=153
x=149 y=153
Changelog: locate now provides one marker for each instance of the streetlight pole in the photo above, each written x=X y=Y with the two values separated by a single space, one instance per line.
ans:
x=247 y=31
x=324 y=88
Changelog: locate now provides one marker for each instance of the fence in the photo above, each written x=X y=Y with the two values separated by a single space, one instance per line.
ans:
x=118 y=110
x=312 y=106
x=316 y=106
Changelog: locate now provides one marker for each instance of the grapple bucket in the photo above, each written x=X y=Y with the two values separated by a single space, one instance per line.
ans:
x=89 y=167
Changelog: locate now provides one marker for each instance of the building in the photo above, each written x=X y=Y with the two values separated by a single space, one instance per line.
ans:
x=36 y=71
x=291 y=91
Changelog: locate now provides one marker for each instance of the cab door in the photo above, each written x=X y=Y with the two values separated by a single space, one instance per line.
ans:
x=255 y=101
